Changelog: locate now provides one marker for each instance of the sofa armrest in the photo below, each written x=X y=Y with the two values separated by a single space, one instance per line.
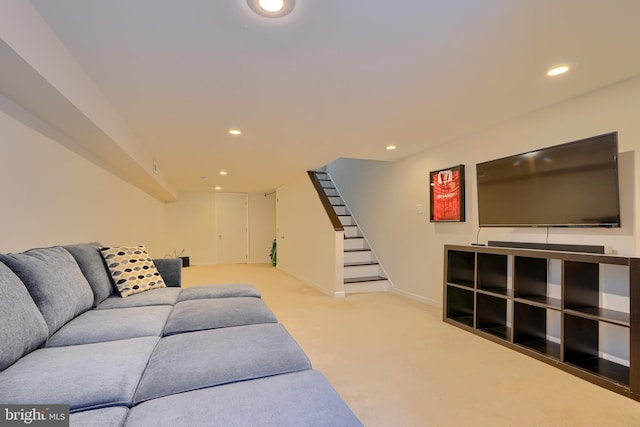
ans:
x=171 y=271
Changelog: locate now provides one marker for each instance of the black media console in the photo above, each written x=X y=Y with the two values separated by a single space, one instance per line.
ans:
x=551 y=305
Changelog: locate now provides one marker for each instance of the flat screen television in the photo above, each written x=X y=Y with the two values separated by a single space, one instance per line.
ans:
x=568 y=185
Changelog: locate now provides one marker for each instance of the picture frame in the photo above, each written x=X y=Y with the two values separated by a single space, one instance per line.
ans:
x=447 y=194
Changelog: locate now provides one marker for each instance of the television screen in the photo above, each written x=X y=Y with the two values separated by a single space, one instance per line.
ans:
x=568 y=185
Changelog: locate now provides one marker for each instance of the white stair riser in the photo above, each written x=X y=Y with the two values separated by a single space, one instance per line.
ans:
x=358 y=256
x=336 y=201
x=326 y=184
x=354 y=244
x=361 y=271
x=374 y=286
x=341 y=210
x=347 y=220
x=331 y=192
x=352 y=232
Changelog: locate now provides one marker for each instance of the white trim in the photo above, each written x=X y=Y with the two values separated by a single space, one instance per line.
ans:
x=339 y=248
x=415 y=297
x=330 y=293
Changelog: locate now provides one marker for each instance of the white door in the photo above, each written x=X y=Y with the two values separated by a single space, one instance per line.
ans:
x=232 y=228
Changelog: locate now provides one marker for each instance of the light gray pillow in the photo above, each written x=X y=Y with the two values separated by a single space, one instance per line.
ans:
x=92 y=265
x=22 y=327
x=54 y=281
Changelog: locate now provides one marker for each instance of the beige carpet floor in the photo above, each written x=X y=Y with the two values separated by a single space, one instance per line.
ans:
x=396 y=363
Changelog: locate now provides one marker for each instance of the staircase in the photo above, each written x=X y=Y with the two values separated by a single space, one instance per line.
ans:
x=362 y=271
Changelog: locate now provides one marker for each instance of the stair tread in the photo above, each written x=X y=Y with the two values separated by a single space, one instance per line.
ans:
x=354 y=237
x=364 y=279
x=358 y=250
x=354 y=264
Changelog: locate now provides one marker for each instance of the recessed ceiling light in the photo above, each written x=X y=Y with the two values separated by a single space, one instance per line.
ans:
x=217 y=188
x=391 y=147
x=272 y=8
x=235 y=131
x=222 y=172
x=271 y=5
x=556 y=71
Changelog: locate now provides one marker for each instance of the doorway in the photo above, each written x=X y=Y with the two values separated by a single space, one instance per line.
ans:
x=232 y=228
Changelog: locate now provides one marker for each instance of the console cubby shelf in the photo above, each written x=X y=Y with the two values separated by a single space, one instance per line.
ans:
x=580 y=320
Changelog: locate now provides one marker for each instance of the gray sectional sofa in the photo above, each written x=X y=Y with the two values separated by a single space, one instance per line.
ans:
x=204 y=356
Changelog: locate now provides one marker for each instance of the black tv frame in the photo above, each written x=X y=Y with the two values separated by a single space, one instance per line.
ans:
x=615 y=221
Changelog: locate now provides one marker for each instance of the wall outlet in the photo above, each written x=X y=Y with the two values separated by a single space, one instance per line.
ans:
x=419 y=209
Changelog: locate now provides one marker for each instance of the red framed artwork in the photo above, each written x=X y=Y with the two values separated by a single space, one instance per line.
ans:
x=447 y=194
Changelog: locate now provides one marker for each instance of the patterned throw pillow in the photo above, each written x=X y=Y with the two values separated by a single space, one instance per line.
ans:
x=132 y=270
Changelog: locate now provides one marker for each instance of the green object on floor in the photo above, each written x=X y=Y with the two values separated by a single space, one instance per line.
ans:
x=273 y=253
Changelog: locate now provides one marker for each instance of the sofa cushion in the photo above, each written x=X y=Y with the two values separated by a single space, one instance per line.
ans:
x=106 y=417
x=86 y=376
x=92 y=265
x=200 y=314
x=299 y=399
x=219 y=291
x=161 y=296
x=22 y=327
x=170 y=269
x=110 y=325
x=54 y=281
x=132 y=270
x=195 y=360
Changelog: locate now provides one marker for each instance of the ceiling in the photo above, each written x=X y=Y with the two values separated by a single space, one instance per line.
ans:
x=334 y=78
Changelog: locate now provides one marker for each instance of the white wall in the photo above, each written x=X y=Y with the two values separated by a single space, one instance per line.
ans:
x=191 y=225
x=383 y=196
x=308 y=245
x=51 y=196
x=262 y=226
x=62 y=82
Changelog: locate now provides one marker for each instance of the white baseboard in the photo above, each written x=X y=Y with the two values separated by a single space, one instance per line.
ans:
x=328 y=292
x=415 y=297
